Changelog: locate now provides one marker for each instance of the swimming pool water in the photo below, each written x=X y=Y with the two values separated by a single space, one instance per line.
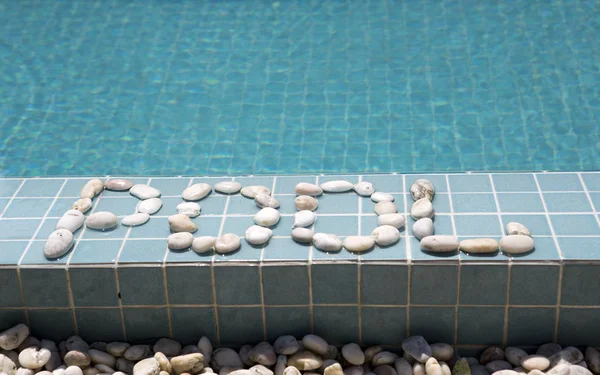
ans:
x=240 y=87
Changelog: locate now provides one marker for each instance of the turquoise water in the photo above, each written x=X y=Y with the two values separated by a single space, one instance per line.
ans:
x=239 y=87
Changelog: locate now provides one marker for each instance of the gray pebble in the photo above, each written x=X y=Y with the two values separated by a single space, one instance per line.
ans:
x=498 y=365
x=286 y=345
x=514 y=355
x=418 y=348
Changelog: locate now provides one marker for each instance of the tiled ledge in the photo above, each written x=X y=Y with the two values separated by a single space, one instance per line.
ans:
x=115 y=285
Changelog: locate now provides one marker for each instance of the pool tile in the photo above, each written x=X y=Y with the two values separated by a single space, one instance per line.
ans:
x=339 y=225
x=18 y=229
x=8 y=187
x=567 y=202
x=287 y=184
x=368 y=206
x=3 y=203
x=591 y=180
x=73 y=186
x=49 y=226
x=328 y=319
x=256 y=180
x=237 y=285
x=579 y=224
x=237 y=225
x=183 y=282
x=579 y=247
x=441 y=203
x=559 y=182
x=141 y=286
x=531 y=326
x=234 y=326
x=342 y=255
x=483 y=284
x=96 y=252
x=425 y=288
x=334 y=283
x=473 y=203
x=11 y=251
x=435 y=323
x=293 y=321
x=391 y=333
x=189 y=323
x=478 y=225
x=10 y=293
x=384 y=284
x=393 y=252
x=510 y=182
x=438 y=181
x=579 y=327
x=286 y=249
x=532 y=284
x=212 y=205
x=118 y=206
x=283 y=227
x=544 y=249
x=342 y=203
x=35 y=255
x=171 y=186
x=386 y=182
x=595 y=197
x=207 y=226
x=520 y=202
x=537 y=224
x=143 y=251
x=480 y=325
x=40 y=188
x=462 y=183
x=62 y=323
x=11 y=317
x=579 y=284
x=138 y=319
x=288 y=204
x=277 y=288
x=246 y=253
x=154 y=228
x=118 y=232
x=99 y=324
x=189 y=256
x=24 y=207
x=93 y=287
x=45 y=287
x=60 y=206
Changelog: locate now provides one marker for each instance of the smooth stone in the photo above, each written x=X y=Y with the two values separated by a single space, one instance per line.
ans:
x=280 y=365
x=479 y=245
x=364 y=188
x=245 y=355
x=190 y=209
x=337 y=186
x=77 y=358
x=58 y=244
x=83 y=205
x=303 y=235
x=592 y=357
x=98 y=345
x=148 y=366
x=25 y=371
x=316 y=344
x=100 y=357
x=104 y=369
x=432 y=367
x=419 y=368
x=445 y=368
x=402 y=367
x=535 y=362
x=381 y=197
x=181 y=223
x=191 y=363
x=92 y=371
x=189 y=349
x=461 y=367
x=265 y=200
x=410 y=359
x=118 y=184
x=7 y=365
x=384 y=358
x=92 y=188
x=72 y=220
x=385 y=207
x=561 y=369
x=418 y=348
x=385 y=235
x=442 y=351
x=149 y=206
x=257 y=235
x=353 y=370
x=204 y=244
x=253 y=190
x=267 y=217
x=439 y=243
x=135 y=219
x=384 y=370
x=514 y=228
x=143 y=191
x=228 y=187
x=422 y=188
x=227 y=243
x=136 y=352
x=514 y=355
x=582 y=364
x=32 y=358
x=73 y=370
x=332 y=352
x=180 y=241
x=371 y=351
x=493 y=353
x=286 y=345
x=305 y=202
x=102 y=220
x=569 y=355
x=304 y=219
x=304 y=361
x=206 y=348
x=521 y=370
x=206 y=370
x=261 y=370
x=125 y=365
x=395 y=220
x=501 y=372
x=76 y=343
x=332 y=368
x=479 y=370
x=54 y=362
x=225 y=357
x=516 y=244
x=579 y=370
x=263 y=354
x=358 y=243
x=196 y=192
x=327 y=242
x=353 y=354
x=291 y=370
x=548 y=349
x=422 y=208
x=304 y=188
x=498 y=365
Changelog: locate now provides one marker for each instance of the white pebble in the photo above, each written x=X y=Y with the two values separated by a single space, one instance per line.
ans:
x=13 y=337
x=479 y=245
x=267 y=217
x=422 y=188
x=327 y=242
x=72 y=220
x=117 y=348
x=149 y=206
x=196 y=192
x=92 y=188
x=32 y=358
x=304 y=219
x=135 y=219
x=358 y=243
x=257 y=235
x=181 y=223
x=385 y=207
x=535 y=362
x=118 y=184
x=513 y=228
x=204 y=244
x=191 y=209
x=380 y=197
x=337 y=186
x=385 y=235
x=143 y=191
x=439 y=243
x=83 y=205
x=303 y=235
x=58 y=244
x=227 y=243
x=148 y=366
x=422 y=208
x=180 y=241
x=228 y=187
x=364 y=188
x=253 y=190
x=516 y=244
x=102 y=220
x=422 y=228
x=305 y=202
x=395 y=220
x=265 y=200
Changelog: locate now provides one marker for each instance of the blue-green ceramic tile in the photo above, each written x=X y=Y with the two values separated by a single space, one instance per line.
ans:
x=256 y=180
x=11 y=317
x=559 y=181
x=287 y=184
x=441 y=203
x=473 y=203
x=145 y=324
x=391 y=333
x=237 y=225
x=189 y=322
x=118 y=206
x=579 y=247
x=480 y=325
x=537 y=224
x=189 y=285
x=339 y=225
x=73 y=186
x=477 y=225
x=285 y=249
x=544 y=249
x=18 y=229
x=368 y=223
x=482 y=284
x=3 y=203
x=393 y=277
x=96 y=252
x=435 y=323
x=94 y=287
x=118 y=232
x=531 y=326
x=580 y=284
x=342 y=203
x=60 y=206
x=109 y=193
x=277 y=288
x=100 y=324
x=246 y=253
x=207 y=226
x=237 y=285
x=143 y=251
x=567 y=202
x=395 y=252
x=334 y=283
x=49 y=226
x=10 y=293
x=284 y=226
x=342 y=255
x=595 y=197
x=188 y=256
x=438 y=181
x=45 y=287
x=368 y=206
x=386 y=182
x=40 y=188
x=8 y=187
x=591 y=180
x=171 y=186
x=418 y=254
x=154 y=228
x=335 y=177
x=240 y=325
x=514 y=182
x=328 y=319
x=169 y=206
x=520 y=202
x=11 y=251
x=461 y=183
x=62 y=325
x=287 y=204
x=533 y=284
x=426 y=288
x=574 y=224
x=579 y=327
x=141 y=286
x=212 y=205
x=35 y=255
x=293 y=321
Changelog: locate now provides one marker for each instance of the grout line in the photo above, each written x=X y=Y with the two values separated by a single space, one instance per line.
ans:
x=408 y=256
x=12 y=198
x=310 y=280
x=359 y=269
x=589 y=198
x=260 y=275
x=459 y=263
